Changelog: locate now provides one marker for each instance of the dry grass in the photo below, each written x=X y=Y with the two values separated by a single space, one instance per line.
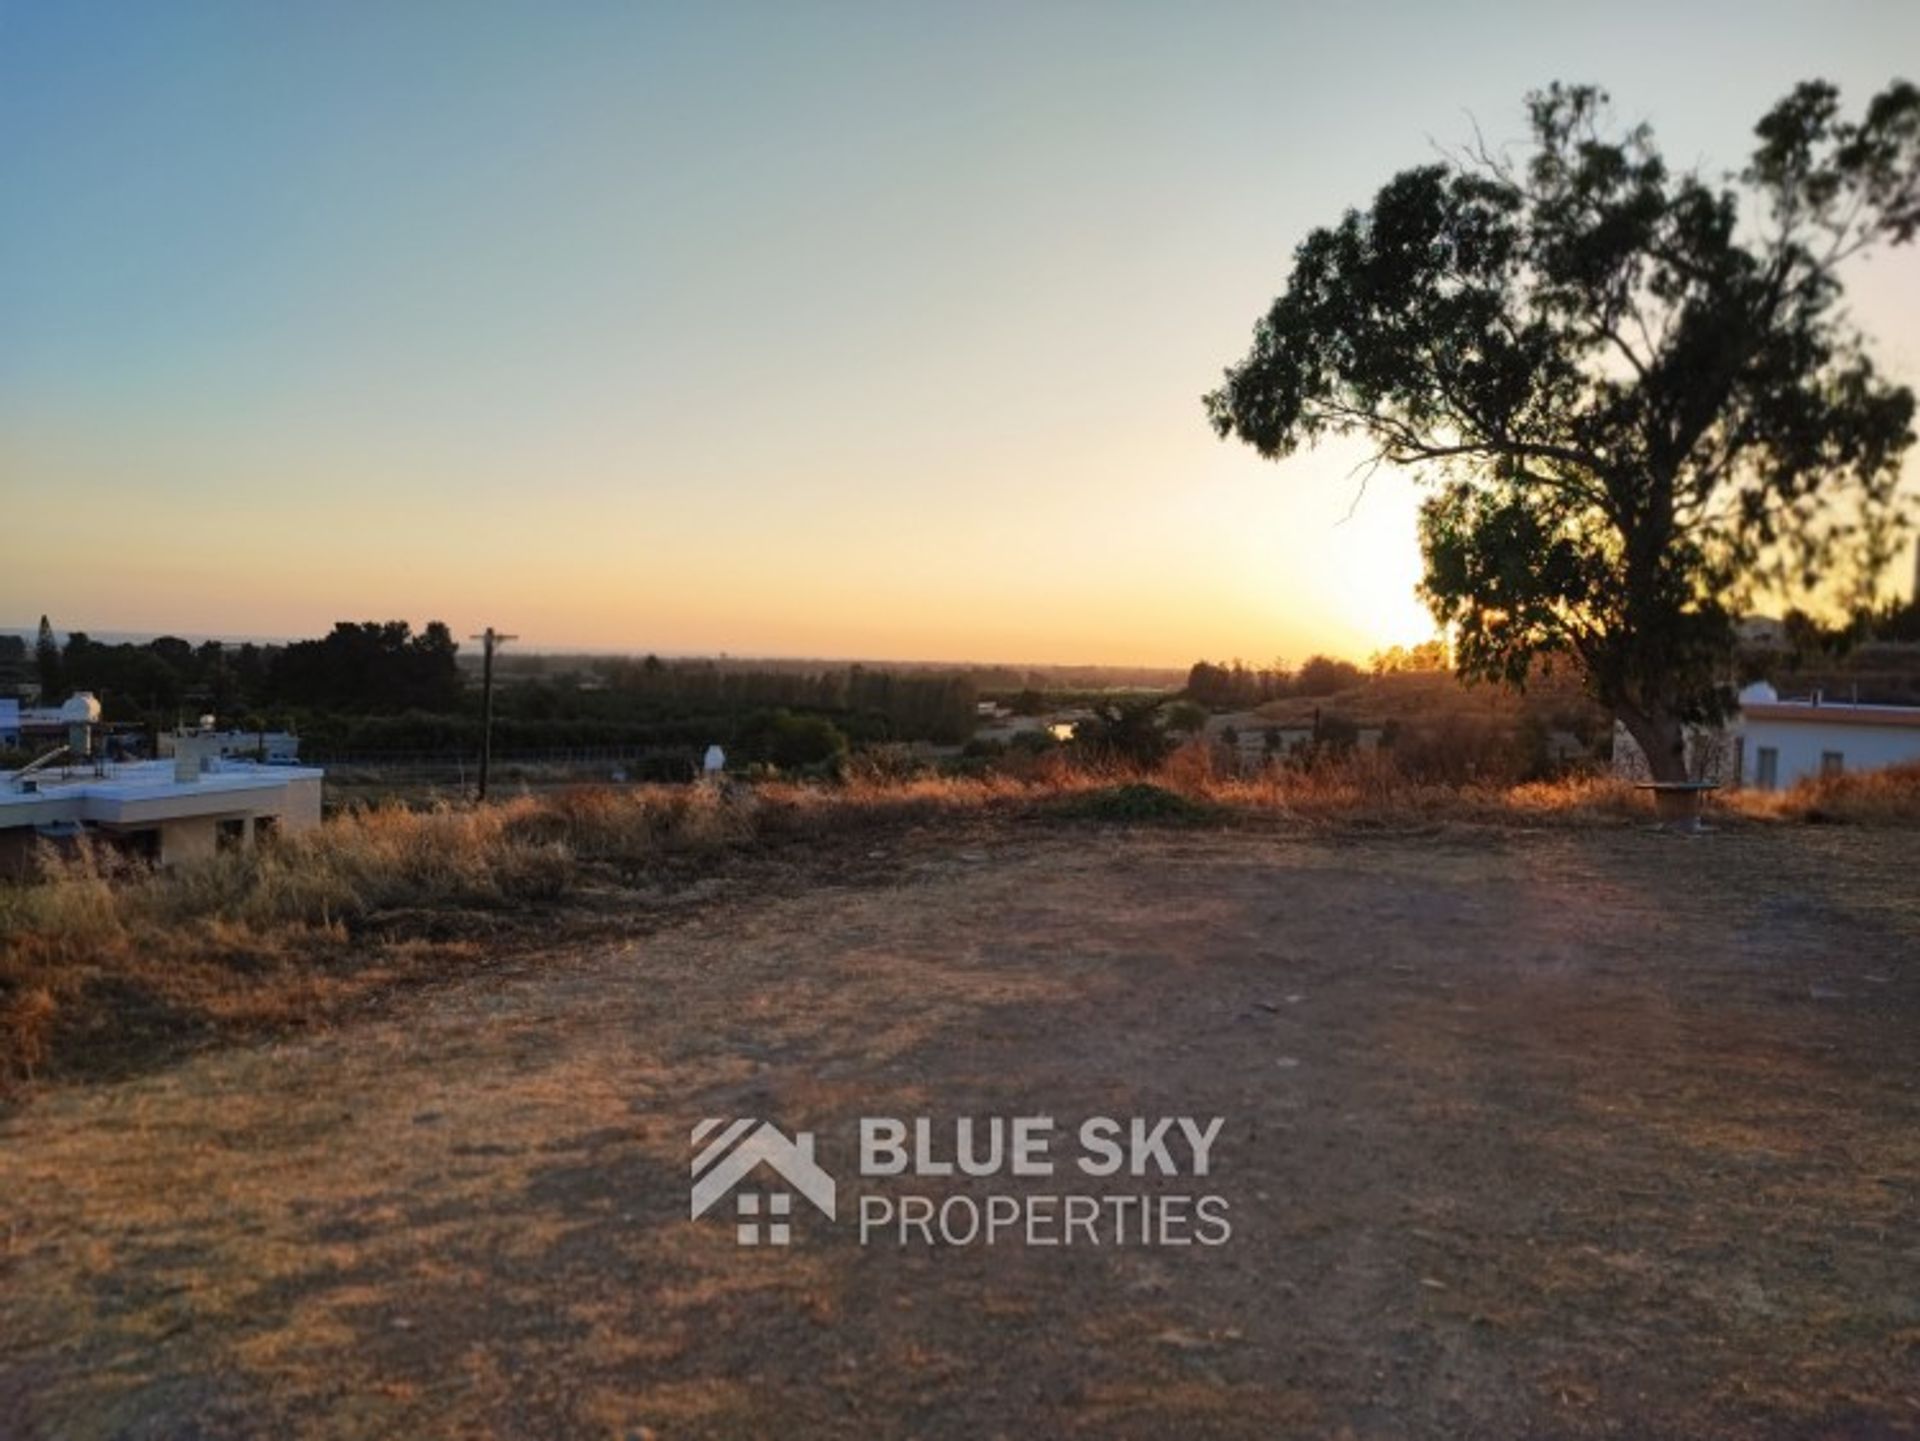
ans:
x=1889 y=797
x=101 y=960
x=1367 y=787
x=102 y=954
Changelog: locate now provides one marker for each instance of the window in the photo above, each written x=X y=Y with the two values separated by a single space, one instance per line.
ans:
x=1766 y=767
x=1832 y=763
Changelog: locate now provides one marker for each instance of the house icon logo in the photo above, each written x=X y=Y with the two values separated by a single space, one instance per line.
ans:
x=726 y=1153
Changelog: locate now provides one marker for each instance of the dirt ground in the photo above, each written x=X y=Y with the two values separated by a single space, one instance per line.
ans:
x=1555 y=1133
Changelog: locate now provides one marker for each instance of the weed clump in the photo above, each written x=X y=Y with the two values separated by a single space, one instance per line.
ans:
x=1141 y=803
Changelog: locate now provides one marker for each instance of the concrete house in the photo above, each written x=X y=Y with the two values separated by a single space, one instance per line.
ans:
x=167 y=811
x=1771 y=743
x=1783 y=741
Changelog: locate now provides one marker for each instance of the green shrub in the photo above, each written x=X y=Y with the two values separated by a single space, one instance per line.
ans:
x=1139 y=802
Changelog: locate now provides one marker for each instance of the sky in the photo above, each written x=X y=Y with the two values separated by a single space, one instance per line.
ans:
x=802 y=328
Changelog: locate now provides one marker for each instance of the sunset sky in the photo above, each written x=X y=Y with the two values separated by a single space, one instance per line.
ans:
x=824 y=329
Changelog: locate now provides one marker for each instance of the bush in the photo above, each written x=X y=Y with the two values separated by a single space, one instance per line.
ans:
x=1323 y=675
x=1139 y=802
x=795 y=742
x=1033 y=743
x=1124 y=733
x=1456 y=750
x=1185 y=718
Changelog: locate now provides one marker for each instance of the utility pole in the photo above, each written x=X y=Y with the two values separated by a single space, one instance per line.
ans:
x=490 y=638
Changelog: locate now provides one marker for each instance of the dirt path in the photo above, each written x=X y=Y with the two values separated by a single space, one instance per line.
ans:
x=1526 y=1135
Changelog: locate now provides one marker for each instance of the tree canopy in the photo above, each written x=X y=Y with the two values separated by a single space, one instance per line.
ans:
x=1634 y=389
x=372 y=666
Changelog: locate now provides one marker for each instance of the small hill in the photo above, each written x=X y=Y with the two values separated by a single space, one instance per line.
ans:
x=1409 y=697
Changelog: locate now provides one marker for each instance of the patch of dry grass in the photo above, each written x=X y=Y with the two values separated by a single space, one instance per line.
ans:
x=1889 y=797
x=1367 y=787
x=102 y=954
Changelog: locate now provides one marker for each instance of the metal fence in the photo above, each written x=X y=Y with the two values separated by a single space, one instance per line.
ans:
x=552 y=755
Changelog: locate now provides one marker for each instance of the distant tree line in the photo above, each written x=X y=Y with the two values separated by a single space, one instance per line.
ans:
x=1237 y=686
x=1895 y=622
x=373 y=667
x=879 y=704
x=781 y=717
x=370 y=667
x=1429 y=655
x=1872 y=655
x=381 y=687
x=994 y=680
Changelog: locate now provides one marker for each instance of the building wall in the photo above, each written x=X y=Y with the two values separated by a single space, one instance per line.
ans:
x=1800 y=745
x=190 y=838
x=150 y=808
x=301 y=811
x=16 y=853
x=296 y=808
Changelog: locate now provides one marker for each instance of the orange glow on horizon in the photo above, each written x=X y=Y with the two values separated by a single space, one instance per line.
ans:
x=824 y=331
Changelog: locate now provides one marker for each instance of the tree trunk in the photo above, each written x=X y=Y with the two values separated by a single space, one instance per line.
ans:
x=1662 y=740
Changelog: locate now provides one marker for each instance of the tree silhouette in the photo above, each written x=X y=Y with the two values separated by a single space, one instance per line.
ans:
x=1125 y=732
x=372 y=666
x=1634 y=390
x=47 y=662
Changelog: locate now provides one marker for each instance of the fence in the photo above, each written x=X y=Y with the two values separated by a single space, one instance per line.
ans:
x=552 y=755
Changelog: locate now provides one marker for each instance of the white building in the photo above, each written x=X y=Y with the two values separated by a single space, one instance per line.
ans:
x=1779 y=741
x=280 y=748
x=1771 y=743
x=27 y=725
x=167 y=811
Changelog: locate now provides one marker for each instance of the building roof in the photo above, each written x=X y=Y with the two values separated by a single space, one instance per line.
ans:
x=139 y=791
x=1807 y=712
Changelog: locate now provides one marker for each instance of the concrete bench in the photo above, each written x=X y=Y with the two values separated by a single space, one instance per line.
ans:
x=1676 y=804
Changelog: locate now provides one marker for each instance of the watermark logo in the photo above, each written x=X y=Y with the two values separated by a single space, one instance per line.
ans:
x=723 y=1164
x=1023 y=1180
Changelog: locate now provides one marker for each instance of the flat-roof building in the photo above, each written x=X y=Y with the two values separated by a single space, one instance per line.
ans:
x=169 y=811
x=1783 y=741
x=1770 y=743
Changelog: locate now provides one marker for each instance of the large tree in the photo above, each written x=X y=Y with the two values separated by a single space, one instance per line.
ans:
x=1633 y=390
